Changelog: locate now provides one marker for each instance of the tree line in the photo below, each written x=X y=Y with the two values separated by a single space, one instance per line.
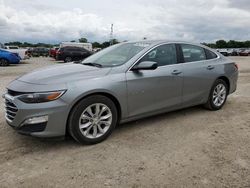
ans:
x=217 y=44
x=229 y=44
x=83 y=40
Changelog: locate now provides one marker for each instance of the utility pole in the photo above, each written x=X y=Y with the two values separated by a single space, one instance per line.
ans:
x=111 y=34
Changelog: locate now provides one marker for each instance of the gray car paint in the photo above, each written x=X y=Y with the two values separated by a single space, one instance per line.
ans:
x=139 y=94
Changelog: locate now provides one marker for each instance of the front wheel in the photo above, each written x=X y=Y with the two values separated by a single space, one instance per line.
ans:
x=93 y=119
x=218 y=95
x=4 y=62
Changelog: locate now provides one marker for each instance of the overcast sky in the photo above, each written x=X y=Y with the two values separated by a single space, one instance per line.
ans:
x=190 y=20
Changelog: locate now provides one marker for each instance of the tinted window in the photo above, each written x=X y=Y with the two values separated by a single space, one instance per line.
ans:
x=163 y=55
x=210 y=54
x=68 y=49
x=13 y=47
x=76 y=49
x=84 y=50
x=192 y=53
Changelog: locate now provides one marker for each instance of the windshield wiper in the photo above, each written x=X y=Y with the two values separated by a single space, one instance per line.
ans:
x=93 y=64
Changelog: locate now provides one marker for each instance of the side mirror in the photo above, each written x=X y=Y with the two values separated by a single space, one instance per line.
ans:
x=145 y=65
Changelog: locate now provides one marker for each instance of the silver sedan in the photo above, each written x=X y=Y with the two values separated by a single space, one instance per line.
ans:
x=121 y=83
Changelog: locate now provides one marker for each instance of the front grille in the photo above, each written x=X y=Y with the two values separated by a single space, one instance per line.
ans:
x=10 y=110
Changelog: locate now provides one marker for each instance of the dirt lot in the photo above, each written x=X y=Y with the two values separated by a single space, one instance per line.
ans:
x=188 y=148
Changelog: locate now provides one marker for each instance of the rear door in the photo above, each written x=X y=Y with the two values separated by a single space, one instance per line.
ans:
x=159 y=89
x=198 y=74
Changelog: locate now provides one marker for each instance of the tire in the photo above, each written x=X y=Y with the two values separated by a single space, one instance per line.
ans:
x=4 y=62
x=92 y=129
x=213 y=103
x=67 y=59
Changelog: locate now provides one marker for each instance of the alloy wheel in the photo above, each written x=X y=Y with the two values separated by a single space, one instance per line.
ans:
x=95 y=120
x=219 y=95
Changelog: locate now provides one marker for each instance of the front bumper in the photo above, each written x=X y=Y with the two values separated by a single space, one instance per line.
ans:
x=17 y=113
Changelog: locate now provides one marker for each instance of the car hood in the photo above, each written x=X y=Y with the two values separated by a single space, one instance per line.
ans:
x=63 y=74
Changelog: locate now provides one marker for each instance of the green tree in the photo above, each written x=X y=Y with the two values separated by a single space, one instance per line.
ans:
x=221 y=44
x=96 y=45
x=105 y=44
x=83 y=40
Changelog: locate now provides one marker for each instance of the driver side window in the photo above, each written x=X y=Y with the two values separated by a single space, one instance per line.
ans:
x=163 y=55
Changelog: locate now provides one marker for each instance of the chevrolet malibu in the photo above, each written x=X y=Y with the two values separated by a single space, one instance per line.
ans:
x=121 y=83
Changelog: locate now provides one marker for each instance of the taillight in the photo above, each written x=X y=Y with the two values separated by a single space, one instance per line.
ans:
x=236 y=66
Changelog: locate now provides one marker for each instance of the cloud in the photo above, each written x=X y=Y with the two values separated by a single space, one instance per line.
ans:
x=189 y=20
x=240 y=4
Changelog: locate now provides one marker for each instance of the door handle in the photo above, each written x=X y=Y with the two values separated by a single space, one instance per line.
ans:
x=176 y=72
x=210 y=67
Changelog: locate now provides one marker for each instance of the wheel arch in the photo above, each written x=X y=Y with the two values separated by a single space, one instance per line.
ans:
x=106 y=94
x=224 y=78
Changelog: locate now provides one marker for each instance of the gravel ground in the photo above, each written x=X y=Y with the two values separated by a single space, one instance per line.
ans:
x=187 y=148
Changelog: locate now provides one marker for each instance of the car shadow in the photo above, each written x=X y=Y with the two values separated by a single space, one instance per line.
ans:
x=67 y=141
x=148 y=121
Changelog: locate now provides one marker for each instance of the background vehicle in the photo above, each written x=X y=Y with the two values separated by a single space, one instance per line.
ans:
x=39 y=51
x=52 y=52
x=87 y=46
x=71 y=53
x=15 y=49
x=233 y=52
x=223 y=52
x=7 y=58
x=121 y=83
x=29 y=52
x=244 y=52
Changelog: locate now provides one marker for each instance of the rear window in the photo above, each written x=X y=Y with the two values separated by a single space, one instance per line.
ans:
x=13 y=47
x=210 y=54
x=69 y=49
x=193 y=53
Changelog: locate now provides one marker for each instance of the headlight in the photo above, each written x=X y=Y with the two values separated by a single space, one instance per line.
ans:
x=41 y=97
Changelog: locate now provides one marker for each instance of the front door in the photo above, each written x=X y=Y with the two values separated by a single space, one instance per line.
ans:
x=159 y=89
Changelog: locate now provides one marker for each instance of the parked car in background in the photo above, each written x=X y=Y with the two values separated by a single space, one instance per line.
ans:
x=233 y=52
x=7 y=58
x=29 y=52
x=15 y=49
x=244 y=52
x=72 y=53
x=40 y=51
x=87 y=46
x=121 y=83
x=52 y=52
x=223 y=52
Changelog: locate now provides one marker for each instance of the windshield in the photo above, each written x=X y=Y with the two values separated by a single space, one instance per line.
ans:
x=117 y=54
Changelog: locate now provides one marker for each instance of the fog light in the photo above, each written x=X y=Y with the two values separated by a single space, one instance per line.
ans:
x=36 y=120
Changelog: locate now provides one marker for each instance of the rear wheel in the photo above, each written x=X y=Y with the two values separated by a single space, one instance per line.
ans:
x=218 y=95
x=93 y=119
x=4 y=62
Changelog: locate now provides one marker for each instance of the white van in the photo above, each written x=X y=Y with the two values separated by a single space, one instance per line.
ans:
x=16 y=49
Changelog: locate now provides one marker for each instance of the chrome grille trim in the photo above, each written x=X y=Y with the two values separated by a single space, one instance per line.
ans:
x=10 y=110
